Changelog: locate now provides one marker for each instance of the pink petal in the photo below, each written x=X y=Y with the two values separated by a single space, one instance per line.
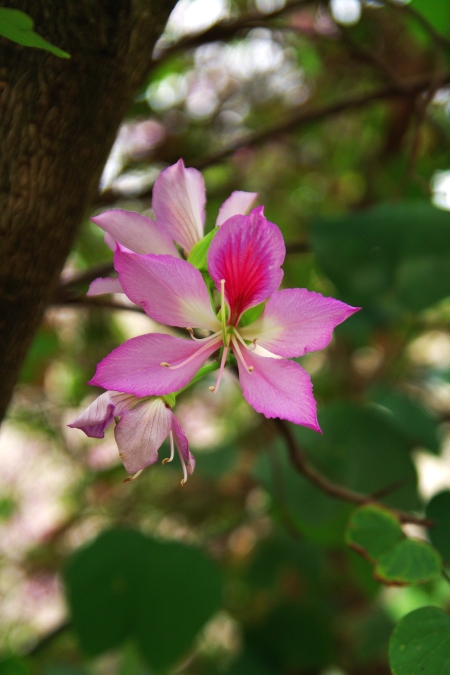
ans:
x=182 y=444
x=141 y=432
x=237 y=203
x=104 y=285
x=100 y=414
x=247 y=252
x=296 y=321
x=138 y=233
x=135 y=367
x=169 y=289
x=279 y=388
x=179 y=203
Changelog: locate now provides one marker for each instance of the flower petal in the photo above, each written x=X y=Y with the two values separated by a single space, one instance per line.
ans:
x=296 y=321
x=247 y=252
x=141 y=432
x=100 y=414
x=138 y=233
x=104 y=285
x=135 y=367
x=279 y=388
x=182 y=444
x=238 y=202
x=169 y=289
x=179 y=203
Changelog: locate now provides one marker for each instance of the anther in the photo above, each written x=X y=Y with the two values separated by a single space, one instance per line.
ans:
x=164 y=363
x=251 y=369
x=213 y=389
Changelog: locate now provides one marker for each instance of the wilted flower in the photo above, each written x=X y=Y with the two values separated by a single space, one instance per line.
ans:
x=142 y=428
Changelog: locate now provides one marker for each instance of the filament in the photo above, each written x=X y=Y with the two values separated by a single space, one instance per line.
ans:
x=237 y=349
x=193 y=356
x=210 y=337
x=172 y=449
x=222 y=366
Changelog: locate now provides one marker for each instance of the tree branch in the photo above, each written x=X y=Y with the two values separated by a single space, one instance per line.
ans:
x=301 y=463
x=410 y=87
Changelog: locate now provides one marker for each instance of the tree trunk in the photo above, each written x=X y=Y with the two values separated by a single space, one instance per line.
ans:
x=58 y=120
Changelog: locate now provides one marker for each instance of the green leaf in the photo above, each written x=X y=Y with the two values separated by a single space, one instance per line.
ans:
x=414 y=421
x=409 y=562
x=420 y=644
x=436 y=12
x=294 y=638
x=397 y=253
x=438 y=509
x=373 y=530
x=18 y=27
x=126 y=585
x=362 y=448
x=252 y=314
x=198 y=255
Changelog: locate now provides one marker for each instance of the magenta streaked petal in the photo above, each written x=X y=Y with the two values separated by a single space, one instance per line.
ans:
x=141 y=432
x=279 y=388
x=100 y=414
x=138 y=233
x=238 y=202
x=104 y=285
x=182 y=444
x=179 y=203
x=169 y=289
x=296 y=321
x=247 y=252
x=135 y=367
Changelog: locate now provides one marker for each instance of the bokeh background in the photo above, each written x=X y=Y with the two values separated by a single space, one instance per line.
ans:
x=338 y=116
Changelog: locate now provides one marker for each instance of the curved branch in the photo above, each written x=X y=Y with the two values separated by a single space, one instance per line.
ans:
x=301 y=463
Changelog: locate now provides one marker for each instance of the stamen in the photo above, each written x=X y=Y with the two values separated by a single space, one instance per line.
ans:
x=222 y=366
x=239 y=354
x=242 y=341
x=183 y=464
x=210 y=337
x=199 y=351
x=138 y=473
x=172 y=450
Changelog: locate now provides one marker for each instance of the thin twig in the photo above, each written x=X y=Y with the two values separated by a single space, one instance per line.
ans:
x=227 y=29
x=301 y=463
x=100 y=303
x=86 y=276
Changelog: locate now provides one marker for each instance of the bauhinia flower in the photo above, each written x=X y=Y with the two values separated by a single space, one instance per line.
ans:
x=142 y=428
x=179 y=198
x=244 y=262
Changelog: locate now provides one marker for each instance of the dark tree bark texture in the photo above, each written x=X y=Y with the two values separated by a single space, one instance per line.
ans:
x=58 y=120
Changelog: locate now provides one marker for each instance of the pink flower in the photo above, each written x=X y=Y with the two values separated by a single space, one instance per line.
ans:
x=244 y=262
x=140 y=431
x=179 y=198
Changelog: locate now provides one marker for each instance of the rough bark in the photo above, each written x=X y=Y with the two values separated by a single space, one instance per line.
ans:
x=58 y=120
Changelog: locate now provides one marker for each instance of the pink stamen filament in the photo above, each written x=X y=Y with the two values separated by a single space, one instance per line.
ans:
x=222 y=366
x=239 y=354
x=209 y=344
